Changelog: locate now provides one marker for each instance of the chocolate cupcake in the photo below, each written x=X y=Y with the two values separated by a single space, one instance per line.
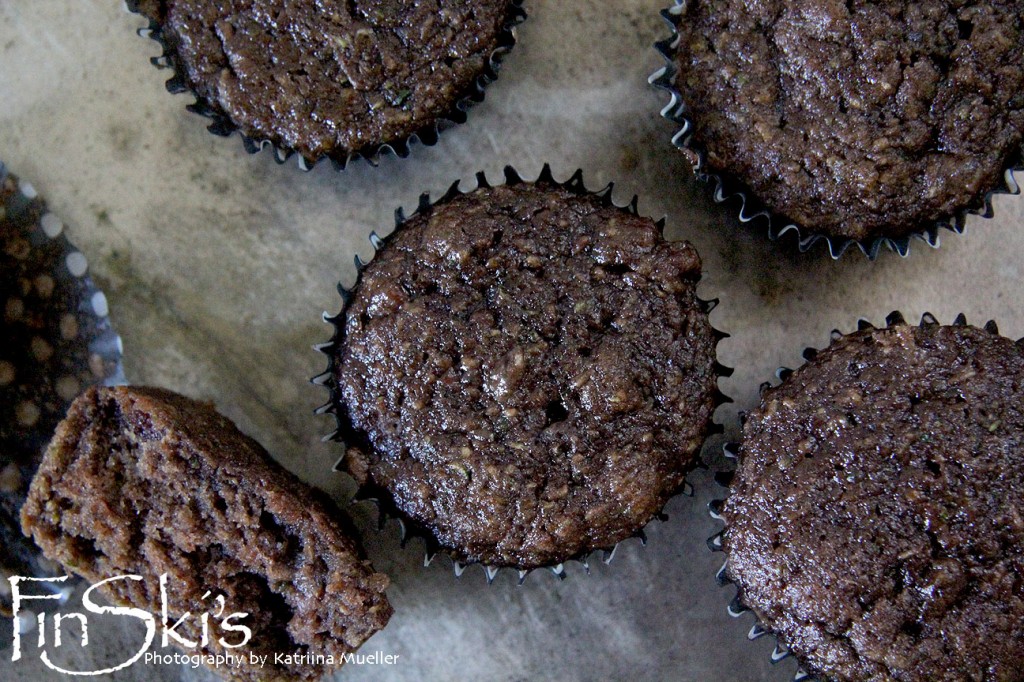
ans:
x=57 y=341
x=860 y=123
x=874 y=523
x=524 y=374
x=332 y=79
x=145 y=482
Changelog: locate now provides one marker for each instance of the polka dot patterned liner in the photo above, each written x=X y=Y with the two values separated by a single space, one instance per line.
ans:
x=57 y=341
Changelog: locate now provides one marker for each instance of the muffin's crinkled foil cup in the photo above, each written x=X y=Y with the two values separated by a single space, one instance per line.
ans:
x=428 y=135
x=386 y=508
x=725 y=187
x=732 y=451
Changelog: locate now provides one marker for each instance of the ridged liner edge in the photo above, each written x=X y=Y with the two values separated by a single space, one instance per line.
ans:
x=733 y=450
x=427 y=135
x=725 y=187
x=385 y=508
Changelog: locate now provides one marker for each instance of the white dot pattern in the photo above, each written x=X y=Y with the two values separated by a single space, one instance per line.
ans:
x=27 y=189
x=52 y=225
x=99 y=304
x=76 y=263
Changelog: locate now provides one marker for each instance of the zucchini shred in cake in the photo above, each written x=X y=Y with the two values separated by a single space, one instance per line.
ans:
x=856 y=120
x=525 y=374
x=144 y=481
x=875 y=521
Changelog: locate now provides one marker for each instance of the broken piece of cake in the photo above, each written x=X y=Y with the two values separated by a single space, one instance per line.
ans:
x=145 y=482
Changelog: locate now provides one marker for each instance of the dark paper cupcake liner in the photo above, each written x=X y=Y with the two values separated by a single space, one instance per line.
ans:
x=427 y=135
x=725 y=187
x=386 y=508
x=736 y=607
x=57 y=341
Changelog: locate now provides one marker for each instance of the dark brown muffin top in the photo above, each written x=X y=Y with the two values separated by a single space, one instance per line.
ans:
x=526 y=373
x=329 y=78
x=876 y=522
x=857 y=119
x=144 y=481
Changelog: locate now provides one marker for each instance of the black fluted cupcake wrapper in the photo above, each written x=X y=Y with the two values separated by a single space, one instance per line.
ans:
x=726 y=187
x=733 y=451
x=50 y=354
x=342 y=433
x=427 y=135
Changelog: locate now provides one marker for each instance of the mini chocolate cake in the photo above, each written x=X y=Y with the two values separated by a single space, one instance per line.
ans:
x=875 y=523
x=525 y=373
x=332 y=78
x=144 y=481
x=856 y=120
x=57 y=340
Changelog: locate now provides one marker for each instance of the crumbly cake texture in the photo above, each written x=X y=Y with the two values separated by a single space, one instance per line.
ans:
x=526 y=373
x=144 y=481
x=331 y=78
x=857 y=119
x=875 y=522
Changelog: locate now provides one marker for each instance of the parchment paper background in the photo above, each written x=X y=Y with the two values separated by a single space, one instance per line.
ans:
x=217 y=266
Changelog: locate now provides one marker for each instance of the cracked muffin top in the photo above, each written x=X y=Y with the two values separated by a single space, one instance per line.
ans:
x=526 y=373
x=875 y=522
x=331 y=78
x=857 y=119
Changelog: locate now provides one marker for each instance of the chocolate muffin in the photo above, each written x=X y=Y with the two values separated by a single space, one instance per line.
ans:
x=143 y=481
x=875 y=522
x=57 y=340
x=330 y=78
x=856 y=120
x=524 y=373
